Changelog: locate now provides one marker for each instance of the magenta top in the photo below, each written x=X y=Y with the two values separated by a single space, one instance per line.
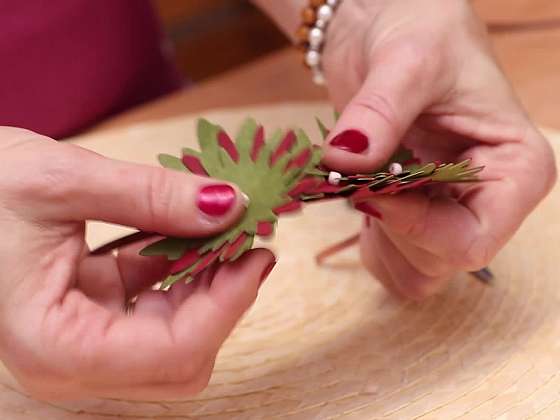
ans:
x=67 y=64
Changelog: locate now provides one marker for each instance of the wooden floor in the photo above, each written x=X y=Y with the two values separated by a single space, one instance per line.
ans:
x=531 y=61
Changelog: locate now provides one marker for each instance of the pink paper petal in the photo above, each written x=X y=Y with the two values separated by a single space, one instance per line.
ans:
x=226 y=143
x=193 y=164
x=363 y=193
x=184 y=262
x=285 y=145
x=234 y=246
x=258 y=143
x=265 y=228
x=300 y=160
x=306 y=185
x=368 y=209
x=208 y=259
x=288 y=207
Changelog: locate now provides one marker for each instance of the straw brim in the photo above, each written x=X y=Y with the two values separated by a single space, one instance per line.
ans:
x=328 y=342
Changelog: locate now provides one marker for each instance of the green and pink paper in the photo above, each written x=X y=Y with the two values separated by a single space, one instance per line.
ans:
x=279 y=173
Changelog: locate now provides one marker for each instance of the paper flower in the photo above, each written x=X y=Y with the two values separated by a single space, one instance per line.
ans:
x=269 y=172
x=277 y=174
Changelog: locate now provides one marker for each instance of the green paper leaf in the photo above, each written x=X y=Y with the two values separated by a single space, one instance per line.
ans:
x=322 y=128
x=401 y=155
x=244 y=139
x=456 y=172
x=171 y=162
x=247 y=244
x=191 y=152
x=316 y=158
x=274 y=140
x=208 y=141
x=172 y=248
x=174 y=278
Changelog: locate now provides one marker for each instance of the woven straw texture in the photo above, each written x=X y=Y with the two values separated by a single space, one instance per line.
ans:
x=328 y=342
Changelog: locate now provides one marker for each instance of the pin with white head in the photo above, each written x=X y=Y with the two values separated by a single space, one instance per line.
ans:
x=334 y=178
x=395 y=168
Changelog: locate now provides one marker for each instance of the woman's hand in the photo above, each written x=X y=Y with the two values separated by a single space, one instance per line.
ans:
x=65 y=333
x=422 y=73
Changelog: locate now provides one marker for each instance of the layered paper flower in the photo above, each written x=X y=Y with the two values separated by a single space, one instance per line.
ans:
x=271 y=172
x=278 y=174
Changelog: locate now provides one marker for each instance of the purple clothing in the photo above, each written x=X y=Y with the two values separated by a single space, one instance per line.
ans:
x=67 y=64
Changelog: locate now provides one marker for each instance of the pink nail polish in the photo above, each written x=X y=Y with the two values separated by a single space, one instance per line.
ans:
x=267 y=271
x=216 y=200
x=352 y=141
x=368 y=209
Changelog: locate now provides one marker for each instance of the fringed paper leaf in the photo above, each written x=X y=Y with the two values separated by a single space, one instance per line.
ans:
x=171 y=162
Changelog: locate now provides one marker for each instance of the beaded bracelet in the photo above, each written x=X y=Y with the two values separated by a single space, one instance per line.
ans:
x=311 y=34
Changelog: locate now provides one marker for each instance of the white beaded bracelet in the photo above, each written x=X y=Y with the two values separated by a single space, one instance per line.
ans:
x=311 y=34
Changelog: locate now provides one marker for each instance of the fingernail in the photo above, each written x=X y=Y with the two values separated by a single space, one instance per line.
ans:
x=352 y=141
x=245 y=199
x=216 y=200
x=368 y=209
x=267 y=271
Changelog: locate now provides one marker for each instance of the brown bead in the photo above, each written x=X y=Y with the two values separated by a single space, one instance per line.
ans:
x=302 y=34
x=317 y=3
x=308 y=15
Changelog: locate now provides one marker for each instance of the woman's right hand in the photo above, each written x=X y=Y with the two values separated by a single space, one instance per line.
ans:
x=65 y=333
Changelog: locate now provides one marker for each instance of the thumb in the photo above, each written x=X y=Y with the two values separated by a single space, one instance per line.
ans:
x=378 y=116
x=92 y=187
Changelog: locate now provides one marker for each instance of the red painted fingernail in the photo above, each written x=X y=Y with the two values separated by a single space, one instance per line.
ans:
x=267 y=271
x=368 y=209
x=352 y=141
x=216 y=200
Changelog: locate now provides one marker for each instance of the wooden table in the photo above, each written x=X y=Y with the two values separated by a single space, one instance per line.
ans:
x=531 y=61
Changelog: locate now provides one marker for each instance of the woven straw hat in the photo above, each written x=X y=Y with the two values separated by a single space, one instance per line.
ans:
x=328 y=342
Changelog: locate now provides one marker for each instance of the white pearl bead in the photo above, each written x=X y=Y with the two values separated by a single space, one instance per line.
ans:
x=395 y=168
x=312 y=58
x=315 y=38
x=325 y=13
x=318 y=78
x=334 y=178
x=332 y=3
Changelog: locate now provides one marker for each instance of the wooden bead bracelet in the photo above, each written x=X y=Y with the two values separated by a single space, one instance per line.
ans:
x=311 y=34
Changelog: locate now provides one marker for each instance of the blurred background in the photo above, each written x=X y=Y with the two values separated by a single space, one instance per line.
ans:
x=234 y=29
x=232 y=43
